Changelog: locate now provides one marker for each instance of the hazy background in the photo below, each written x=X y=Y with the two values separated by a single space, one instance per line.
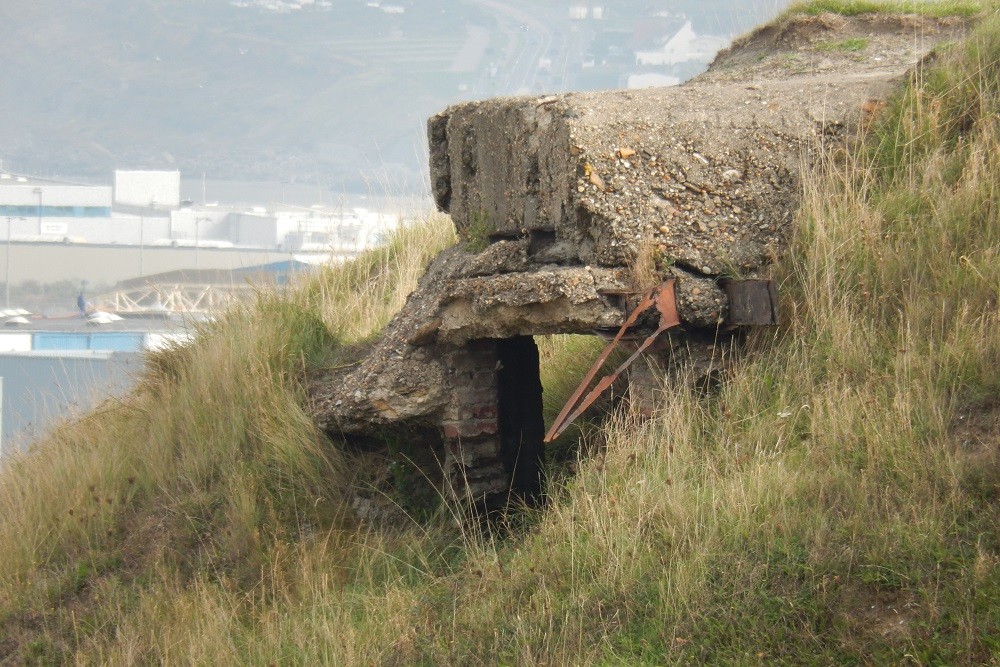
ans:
x=332 y=93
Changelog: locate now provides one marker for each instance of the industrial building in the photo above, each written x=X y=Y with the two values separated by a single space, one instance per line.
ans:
x=155 y=189
x=40 y=389
x=47 y=210
x=97 y=331
x=340 y=233
x=167 y=256
x=54 y=368
x=144 y=208
x=36 y=207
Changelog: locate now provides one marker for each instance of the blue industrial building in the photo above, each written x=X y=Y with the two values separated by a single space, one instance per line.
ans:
x=113 y=341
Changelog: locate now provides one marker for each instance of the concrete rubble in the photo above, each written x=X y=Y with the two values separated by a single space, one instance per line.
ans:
x=555 y=199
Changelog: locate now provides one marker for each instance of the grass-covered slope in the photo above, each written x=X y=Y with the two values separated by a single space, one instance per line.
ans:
x=837 y=500
x=202 y=472
x=936 y=8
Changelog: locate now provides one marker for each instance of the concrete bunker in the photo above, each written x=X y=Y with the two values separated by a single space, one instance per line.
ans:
x=558 y=199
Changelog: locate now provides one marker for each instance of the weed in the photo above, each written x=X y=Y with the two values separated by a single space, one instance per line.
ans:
x=937 y=9
x=648 y=266
x=851 y=44
x=476 y=236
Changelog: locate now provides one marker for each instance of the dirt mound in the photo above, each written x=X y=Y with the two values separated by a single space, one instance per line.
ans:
x=833 y=44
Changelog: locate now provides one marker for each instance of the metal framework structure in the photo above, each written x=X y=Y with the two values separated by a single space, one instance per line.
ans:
x=193 y=298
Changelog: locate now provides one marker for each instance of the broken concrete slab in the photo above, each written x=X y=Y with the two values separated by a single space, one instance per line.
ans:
x=403 y=378
x=708 y=173
x=558 y=199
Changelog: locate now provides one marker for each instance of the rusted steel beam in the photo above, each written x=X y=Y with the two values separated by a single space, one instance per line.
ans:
x=664 y=298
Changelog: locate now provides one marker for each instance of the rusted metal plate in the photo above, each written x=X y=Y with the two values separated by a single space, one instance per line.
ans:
x=752 y=302
x=666 y=304
x=664 y=298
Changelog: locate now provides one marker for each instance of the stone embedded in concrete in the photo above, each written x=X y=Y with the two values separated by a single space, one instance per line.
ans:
x=547 y=300
x=700 y=300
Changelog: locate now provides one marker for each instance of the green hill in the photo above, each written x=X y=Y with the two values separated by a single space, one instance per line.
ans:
x=835 y=501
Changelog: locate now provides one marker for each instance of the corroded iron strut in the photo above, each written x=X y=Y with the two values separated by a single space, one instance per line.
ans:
x=664 y=298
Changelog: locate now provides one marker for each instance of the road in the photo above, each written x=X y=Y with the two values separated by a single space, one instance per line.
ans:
x=533 y=32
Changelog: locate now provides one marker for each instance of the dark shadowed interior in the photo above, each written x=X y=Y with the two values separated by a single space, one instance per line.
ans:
x=522 y=429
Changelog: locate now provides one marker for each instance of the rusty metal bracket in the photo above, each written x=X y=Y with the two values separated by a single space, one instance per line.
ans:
x=664 y=298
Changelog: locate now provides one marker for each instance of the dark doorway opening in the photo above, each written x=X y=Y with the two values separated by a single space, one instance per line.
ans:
x=520 y=421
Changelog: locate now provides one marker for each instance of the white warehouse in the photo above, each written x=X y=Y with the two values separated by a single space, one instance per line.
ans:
x=36 y=207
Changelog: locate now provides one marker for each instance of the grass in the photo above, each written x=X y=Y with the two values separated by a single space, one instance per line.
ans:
x=206 y=468
x=933 y=8
x=476 y=237
x=851 y=44
x=836 y=500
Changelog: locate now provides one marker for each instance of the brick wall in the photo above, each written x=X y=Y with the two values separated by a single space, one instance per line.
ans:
x=473 y=467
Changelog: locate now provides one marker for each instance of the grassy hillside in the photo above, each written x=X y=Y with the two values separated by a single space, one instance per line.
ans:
x=837 y=500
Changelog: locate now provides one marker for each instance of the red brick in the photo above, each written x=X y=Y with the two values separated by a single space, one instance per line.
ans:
x=487 y=411
x=475 y=427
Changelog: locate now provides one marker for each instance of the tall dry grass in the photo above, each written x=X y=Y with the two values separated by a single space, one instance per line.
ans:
x=824 y=506
x=204 y=471
x=818 y=508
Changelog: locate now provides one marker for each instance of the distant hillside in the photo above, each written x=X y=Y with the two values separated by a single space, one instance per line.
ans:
x=205 y=86
x=334 y=92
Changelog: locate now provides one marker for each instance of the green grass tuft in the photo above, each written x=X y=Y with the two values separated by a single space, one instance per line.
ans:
x=851 y=44
x=933 y=8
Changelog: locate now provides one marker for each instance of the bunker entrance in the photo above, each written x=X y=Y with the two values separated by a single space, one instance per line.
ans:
x=494 y=426
x=519 y=415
